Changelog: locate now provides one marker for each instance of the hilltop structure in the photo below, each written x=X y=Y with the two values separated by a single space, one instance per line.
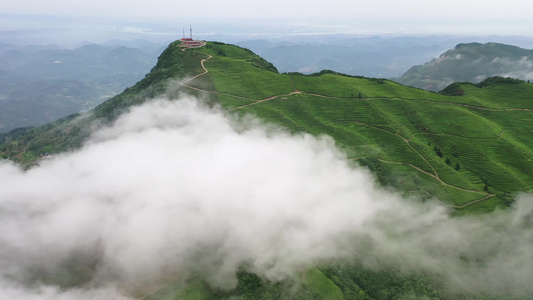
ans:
x=190 y=42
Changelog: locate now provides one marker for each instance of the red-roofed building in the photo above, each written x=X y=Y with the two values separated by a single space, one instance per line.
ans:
x=190 y=42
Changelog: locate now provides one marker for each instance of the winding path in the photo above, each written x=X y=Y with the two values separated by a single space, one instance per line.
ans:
x=184 y=83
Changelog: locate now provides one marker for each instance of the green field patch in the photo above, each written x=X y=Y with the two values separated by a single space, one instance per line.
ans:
x=449 y=175
x=502 y=164
x=461 y=197
x=478 y=157
x=503 y=151
x=343 y=134
x=321 y=286
x=415 y=184
x=392 y=147
x=229 y=102
x=485 y=206
x=513 y=119
x=354 y=109
x=293 y=107
x=334 y=85
x=193 y=289
x=239 y=75
x=502 y=95
x=438 y=118
x=524 y=149
x=229 y=78
x=399 y=116
x=447 y=172
x=341 y=109
x=327 y=110
x=468 y=123
x=272 y=114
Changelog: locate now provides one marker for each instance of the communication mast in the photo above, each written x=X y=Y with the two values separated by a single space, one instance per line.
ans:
x=189 y=42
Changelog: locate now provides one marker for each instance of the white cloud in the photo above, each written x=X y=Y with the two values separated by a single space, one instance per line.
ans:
x=521 y=69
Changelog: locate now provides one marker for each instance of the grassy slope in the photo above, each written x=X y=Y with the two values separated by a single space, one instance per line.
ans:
x=458 y=149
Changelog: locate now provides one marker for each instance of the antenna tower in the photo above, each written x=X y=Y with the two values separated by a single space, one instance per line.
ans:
x=191 y=31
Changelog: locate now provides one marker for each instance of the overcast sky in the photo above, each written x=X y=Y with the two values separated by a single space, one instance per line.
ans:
x=412 y=17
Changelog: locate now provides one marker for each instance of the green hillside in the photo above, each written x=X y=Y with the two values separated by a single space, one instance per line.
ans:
x=472 y=62
x=469 y=151
x=472 y=152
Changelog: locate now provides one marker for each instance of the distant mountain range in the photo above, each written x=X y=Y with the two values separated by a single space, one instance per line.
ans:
x=372 y=57
x=39 y=84
x=472 y=62
x=378 y=56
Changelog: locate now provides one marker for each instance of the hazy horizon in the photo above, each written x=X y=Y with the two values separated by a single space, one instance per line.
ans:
x=65 y=22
